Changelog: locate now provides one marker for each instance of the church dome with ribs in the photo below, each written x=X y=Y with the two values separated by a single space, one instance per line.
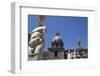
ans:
x=57 y=41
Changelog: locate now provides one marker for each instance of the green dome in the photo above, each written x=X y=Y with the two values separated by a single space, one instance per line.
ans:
x=57 y=39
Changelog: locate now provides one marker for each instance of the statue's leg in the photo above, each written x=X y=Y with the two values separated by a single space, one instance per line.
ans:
x=39 y=51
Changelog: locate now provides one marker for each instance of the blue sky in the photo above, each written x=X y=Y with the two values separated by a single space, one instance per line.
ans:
x=69 y=27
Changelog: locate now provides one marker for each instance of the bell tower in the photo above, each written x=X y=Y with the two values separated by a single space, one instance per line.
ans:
x=78 y=43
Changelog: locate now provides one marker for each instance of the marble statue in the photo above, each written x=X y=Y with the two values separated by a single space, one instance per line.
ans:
x=36 y=43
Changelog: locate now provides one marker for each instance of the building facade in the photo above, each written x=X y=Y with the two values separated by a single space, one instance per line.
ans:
x=57 y=51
